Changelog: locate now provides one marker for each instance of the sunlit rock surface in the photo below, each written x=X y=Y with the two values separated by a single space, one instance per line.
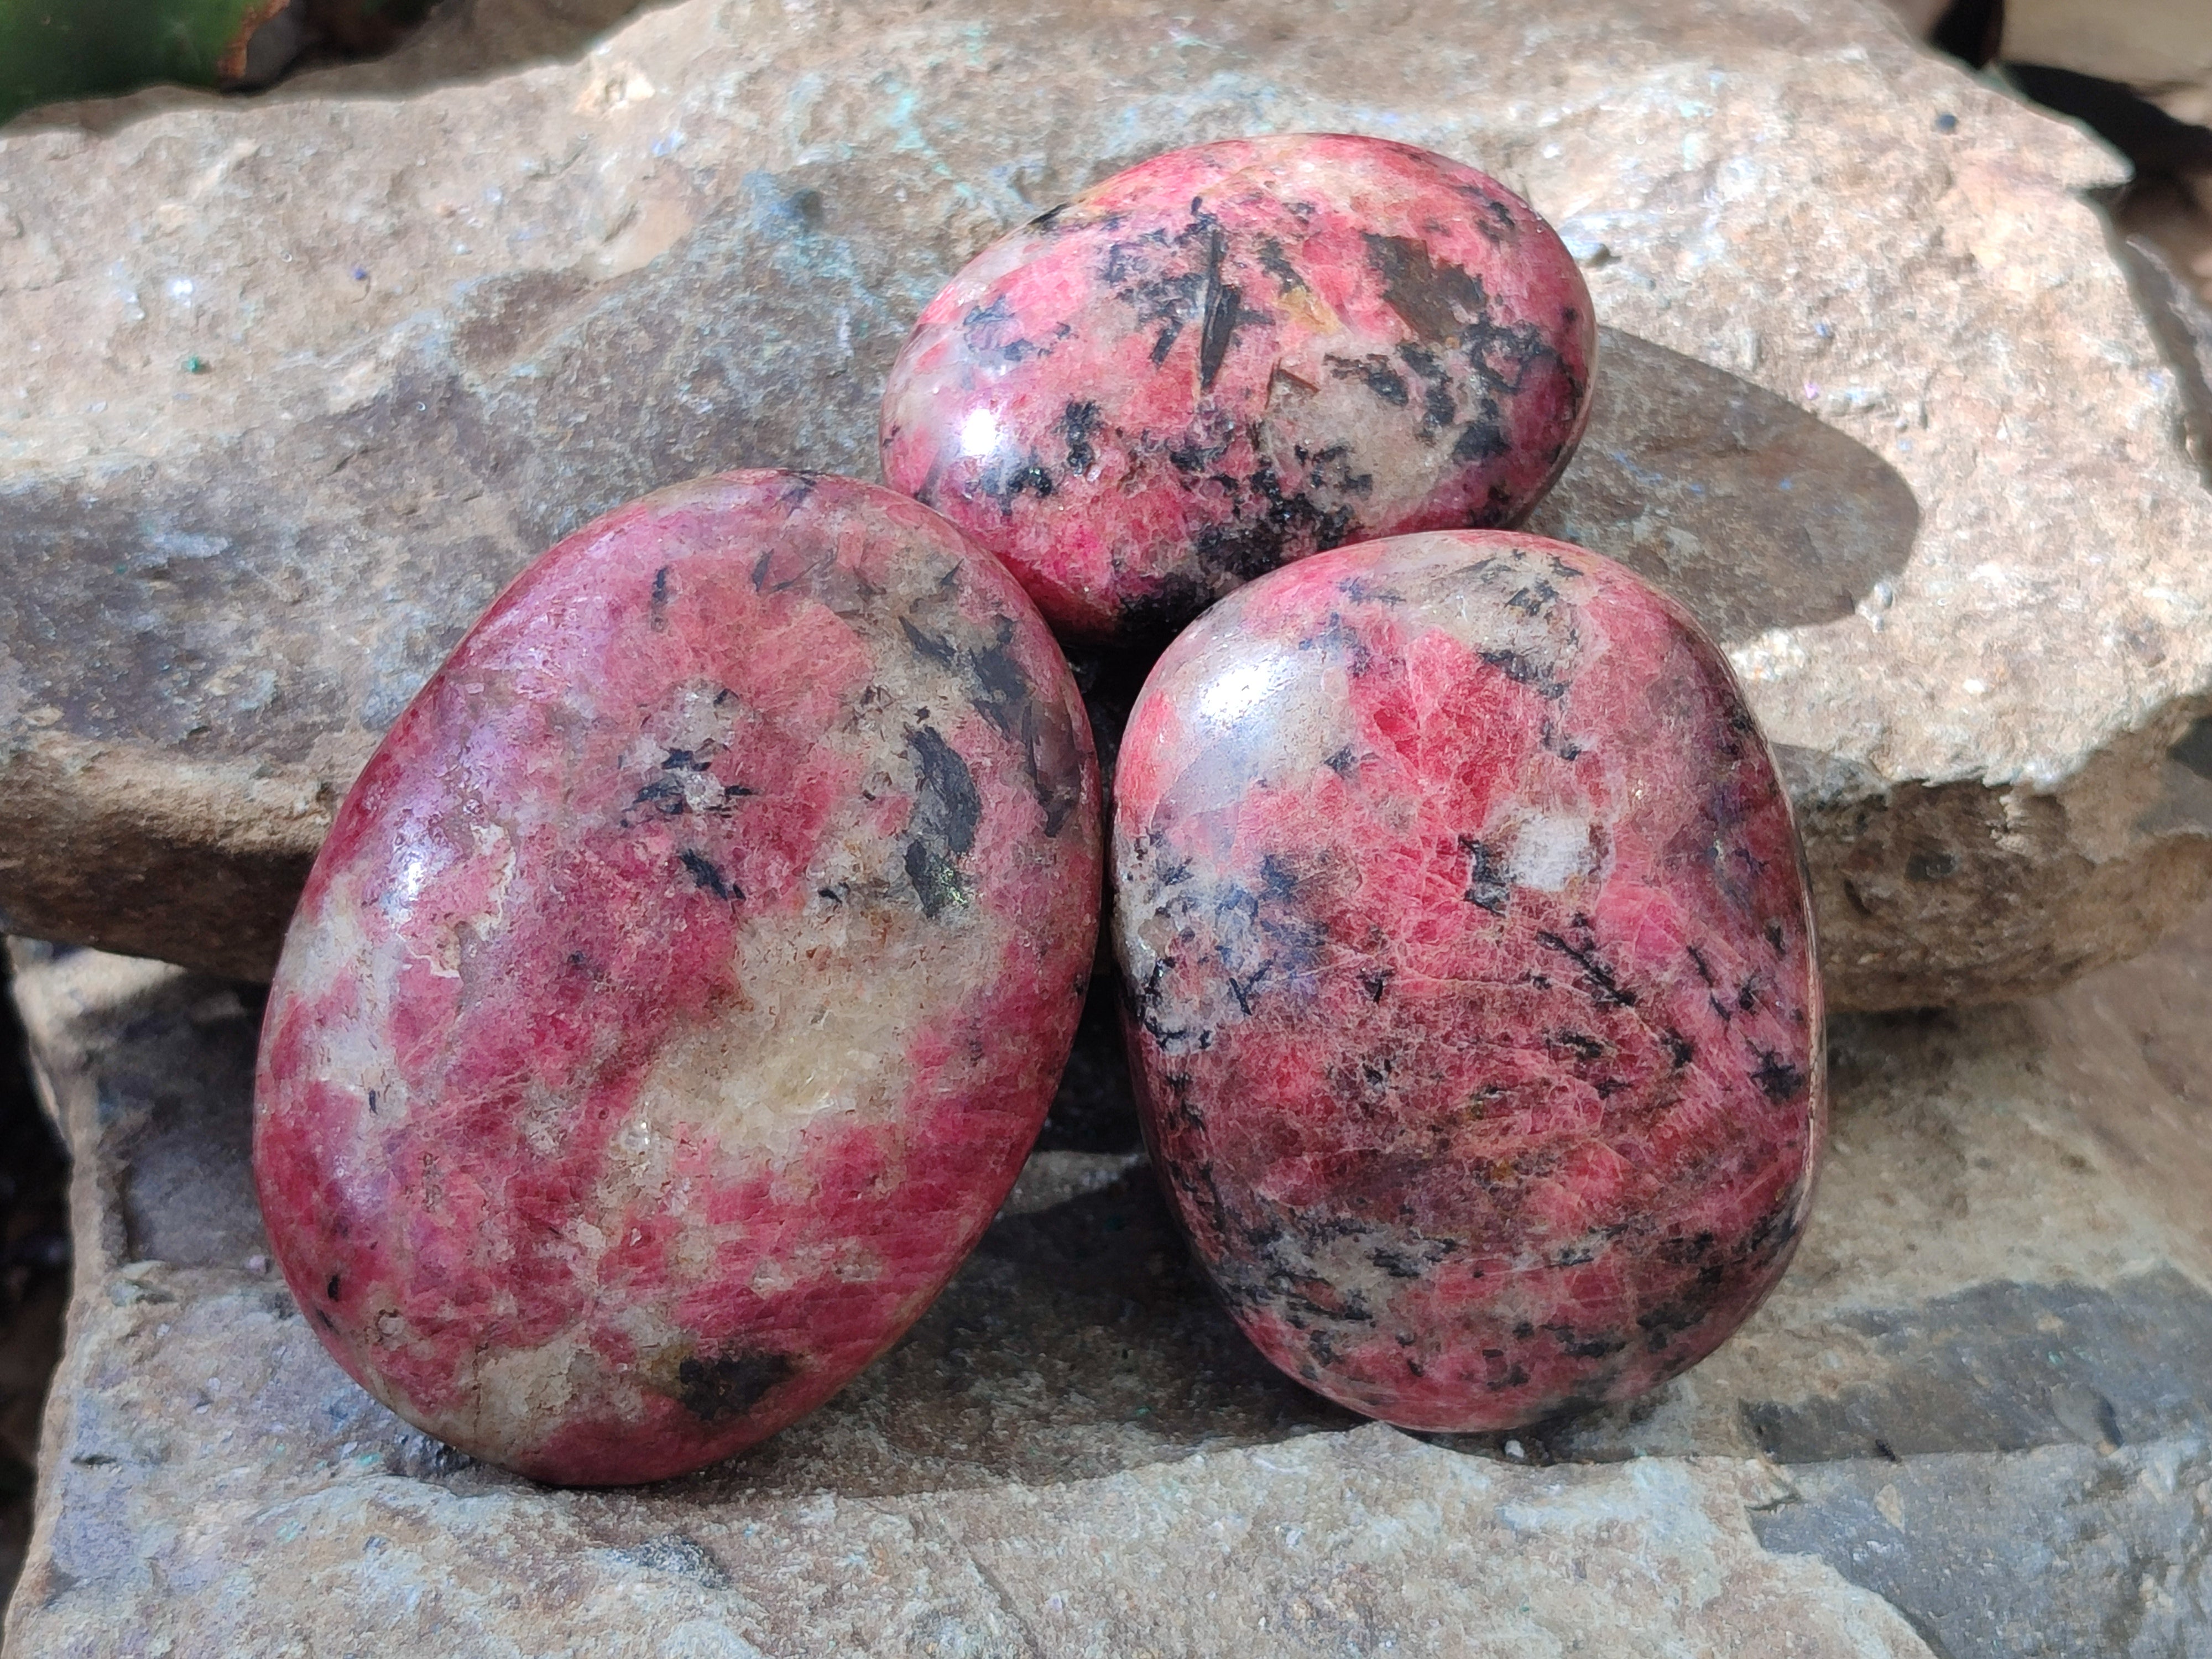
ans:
x=1872 y=400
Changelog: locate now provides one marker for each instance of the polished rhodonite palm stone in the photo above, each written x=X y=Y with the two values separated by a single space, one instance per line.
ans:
x=1234 y=355
x=684 y=981
x=1470 y=985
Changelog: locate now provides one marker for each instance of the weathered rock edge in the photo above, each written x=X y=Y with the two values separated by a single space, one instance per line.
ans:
x=440 y=330
x=1983 y=1393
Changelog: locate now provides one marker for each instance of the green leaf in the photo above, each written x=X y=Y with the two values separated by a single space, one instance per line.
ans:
x=52 y=49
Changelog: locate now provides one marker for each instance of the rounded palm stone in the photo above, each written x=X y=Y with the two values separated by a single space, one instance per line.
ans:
x=1233 y=356
x=1469 y=978
x=684 y=981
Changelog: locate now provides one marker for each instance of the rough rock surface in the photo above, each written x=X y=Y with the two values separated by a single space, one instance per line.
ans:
x=1981 y=1394
x=1472 y=1006
x=296 y=384
x=682 y=985
x=2164 y=238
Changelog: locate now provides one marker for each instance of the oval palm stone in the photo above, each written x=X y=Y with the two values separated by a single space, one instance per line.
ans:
x=684 y=980
x=1469 y=970
x=1236 y=355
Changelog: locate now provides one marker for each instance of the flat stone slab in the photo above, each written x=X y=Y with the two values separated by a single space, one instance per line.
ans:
x=1975 y=1420
x=297 y=383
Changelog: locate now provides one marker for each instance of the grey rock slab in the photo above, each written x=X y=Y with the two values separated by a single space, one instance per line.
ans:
x=1978 y=1403
x=2059 y=1550
x=1073 y=1454
x=296 y=384
x=2006 y=1366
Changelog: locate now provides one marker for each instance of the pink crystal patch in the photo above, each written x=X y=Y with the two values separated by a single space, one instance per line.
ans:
x=684 y=981
x=1233 y=356
x=1471 y=990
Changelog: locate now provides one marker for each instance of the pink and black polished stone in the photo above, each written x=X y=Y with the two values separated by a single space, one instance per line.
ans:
x=1236 y=355
x=1469 y=980
x=684 y=981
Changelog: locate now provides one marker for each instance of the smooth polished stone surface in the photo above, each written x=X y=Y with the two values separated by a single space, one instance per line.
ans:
x=1473 y=1004
x=684 y=981
x=1236 y=355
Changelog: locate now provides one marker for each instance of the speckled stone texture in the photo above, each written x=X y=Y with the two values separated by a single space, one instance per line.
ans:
x=684 y=980
x=1471 y=991
x=1233 y=356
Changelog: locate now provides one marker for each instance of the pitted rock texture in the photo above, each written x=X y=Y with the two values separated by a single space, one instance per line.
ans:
x=1980 y=1395
x=1472 y=1000
x=1917 y=467
x=1233 y=356
x=1073 y=1452
x=684 y=980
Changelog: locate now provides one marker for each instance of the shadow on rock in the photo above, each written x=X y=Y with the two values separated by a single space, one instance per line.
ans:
x=1094 y=1110
x=1751 y=510
x=1077 y=1341
x=463 y=39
